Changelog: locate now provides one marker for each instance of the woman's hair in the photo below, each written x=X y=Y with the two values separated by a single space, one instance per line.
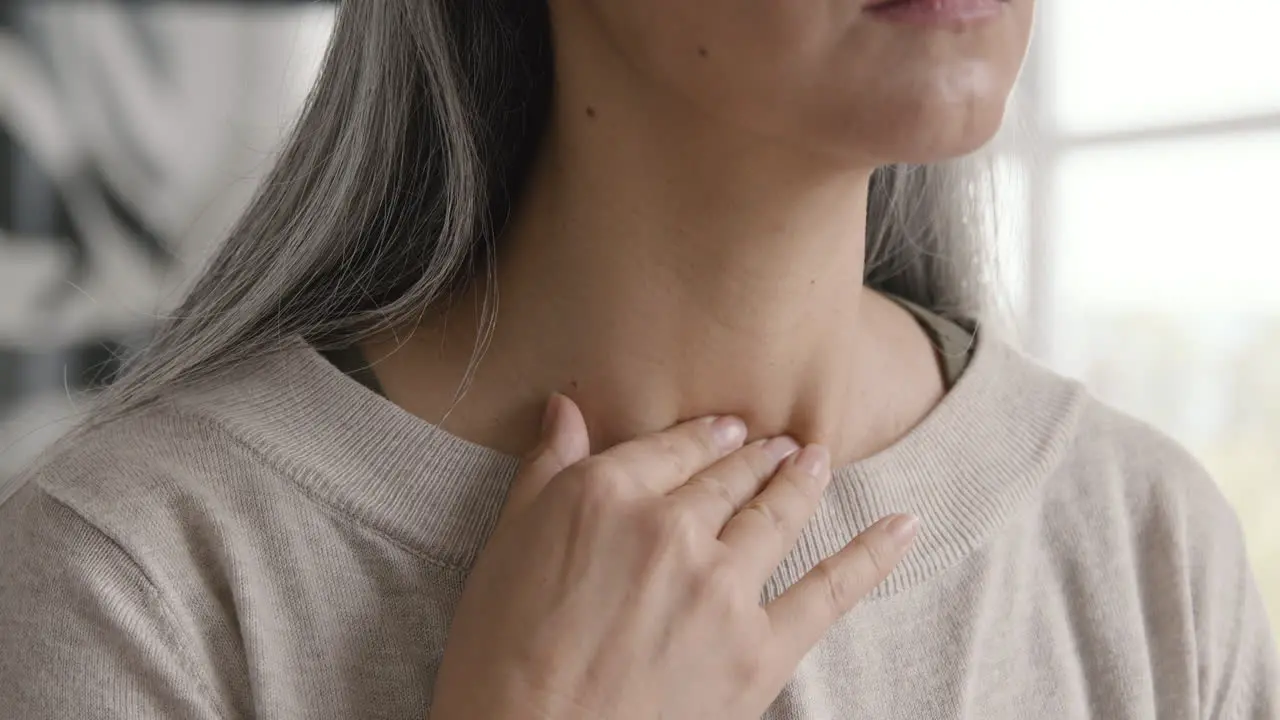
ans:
x=399 y=178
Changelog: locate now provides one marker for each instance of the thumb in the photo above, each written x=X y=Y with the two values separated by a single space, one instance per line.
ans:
x=564 y=442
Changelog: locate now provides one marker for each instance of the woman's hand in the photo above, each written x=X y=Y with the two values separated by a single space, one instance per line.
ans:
x=626 y=585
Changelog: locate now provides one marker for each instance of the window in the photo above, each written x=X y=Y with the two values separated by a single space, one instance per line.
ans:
x=1154 y=245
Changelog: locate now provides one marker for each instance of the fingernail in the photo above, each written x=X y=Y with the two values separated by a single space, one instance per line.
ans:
x=729 y=432
x=550 y=413
x=815 y=460
x=781 y=448
x=902 y=528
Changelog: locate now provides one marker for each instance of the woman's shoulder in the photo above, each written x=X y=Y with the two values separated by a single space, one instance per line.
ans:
x=196 y=447
x=1159 y=534
x=97 y=534
x=1093 y=447
x=138 y=501
x=135 y=468
x=1116 y=461
x=1136 y=533
x=1109 y=481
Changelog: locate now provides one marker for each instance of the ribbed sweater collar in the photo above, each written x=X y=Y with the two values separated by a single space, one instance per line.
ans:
x=978 y=457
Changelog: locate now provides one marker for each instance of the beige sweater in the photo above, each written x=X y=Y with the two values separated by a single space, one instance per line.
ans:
x=286 y=544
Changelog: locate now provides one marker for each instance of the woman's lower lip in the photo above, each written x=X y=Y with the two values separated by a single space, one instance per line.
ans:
x=936 y=12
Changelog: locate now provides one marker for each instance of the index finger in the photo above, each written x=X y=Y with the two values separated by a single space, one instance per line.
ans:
x=665 y=460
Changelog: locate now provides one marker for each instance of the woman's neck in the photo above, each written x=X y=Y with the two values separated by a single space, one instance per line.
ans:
x=654 y=280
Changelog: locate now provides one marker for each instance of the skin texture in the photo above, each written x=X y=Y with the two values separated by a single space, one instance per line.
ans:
x=690 y=243
x=820 y=78
x=691 y=240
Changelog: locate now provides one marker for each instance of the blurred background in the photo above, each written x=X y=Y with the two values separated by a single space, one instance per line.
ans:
x=1138 y=204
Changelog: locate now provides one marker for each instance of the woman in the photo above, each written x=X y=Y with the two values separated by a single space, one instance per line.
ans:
x=304 y=500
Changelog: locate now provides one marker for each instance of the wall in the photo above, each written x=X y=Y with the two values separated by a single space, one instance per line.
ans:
x=131 y=135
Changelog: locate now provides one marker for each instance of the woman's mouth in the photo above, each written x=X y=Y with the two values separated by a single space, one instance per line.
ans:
x=934 y=12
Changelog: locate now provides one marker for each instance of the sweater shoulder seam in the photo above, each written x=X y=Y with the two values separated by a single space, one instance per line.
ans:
x=155 y=597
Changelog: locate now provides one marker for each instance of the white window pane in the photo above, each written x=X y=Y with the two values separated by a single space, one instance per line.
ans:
x=1188 y=226
x=1166 y=301
x=1141 y=62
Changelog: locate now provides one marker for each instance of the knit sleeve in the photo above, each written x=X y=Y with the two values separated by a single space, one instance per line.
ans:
x=1239 y=671
x=83 y=631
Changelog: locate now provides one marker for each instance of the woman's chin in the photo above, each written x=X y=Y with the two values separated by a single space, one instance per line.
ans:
x=925 y=137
